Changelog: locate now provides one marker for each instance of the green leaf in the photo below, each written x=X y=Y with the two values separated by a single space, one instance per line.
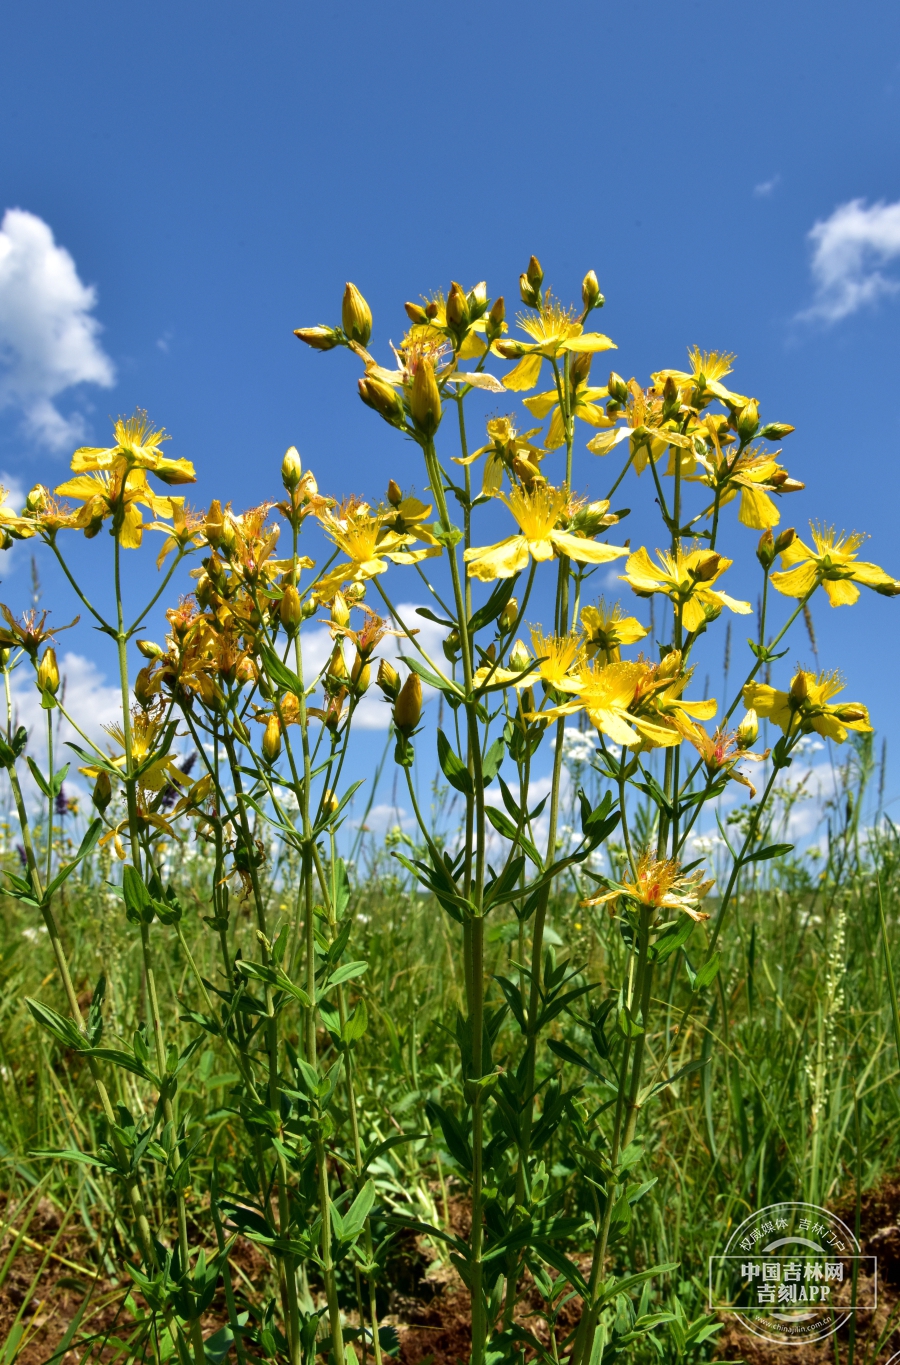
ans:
x=66 y=1030
x=431 y=678
x=770 y=851
x=358 y=1212
x=490 y=764
x=453 y=768
x=493 y=606
x=674 y=936
x=687 y=1070
x=438 y=620
x=612 y=1287
x=378 y=1149
x=281 y=675
x=91 y=835
x=345 y=972
x=503 y=825
x=707 y=973
x=139 y=907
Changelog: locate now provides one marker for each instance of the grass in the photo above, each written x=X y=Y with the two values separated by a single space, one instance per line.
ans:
x=797 y=1097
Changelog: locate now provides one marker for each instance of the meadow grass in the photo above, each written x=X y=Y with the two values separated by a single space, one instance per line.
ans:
x=797 y=1098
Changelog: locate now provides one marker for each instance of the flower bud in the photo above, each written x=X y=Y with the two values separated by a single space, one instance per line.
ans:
x=309 y=608
x=431 y=310
x=143 y=689
x=457 y=308
x=580 y=368
x=784 y=539
x=394 y=493
x=340 y=612
x=354 y=593
x=496 y=318
x=245 y=671
x=48 y=672
x=383 y=398
x=408 y=706
x=748 y=730
x=765 y=550
x=102 y=793
x=337 y=667
x=477 y=300
x=291 y=469
x=509 y=614
x=319 y=338
x=617 y=388
x=416 y=314
x=388 y=679
x=851 y=712
x=534 y=274
x=290 y=609
x=330 y=802
x=776 y=431
x=451 y=646
x=800 y=688
x=150 y=650
x=425 y=399
x=519 y=656
x=360 y=675
x=590 y=291
x=36 y=498
x=271 y=745
x=747 y=421
x=356 y=315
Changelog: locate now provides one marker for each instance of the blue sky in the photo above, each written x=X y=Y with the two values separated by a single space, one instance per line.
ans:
x=217 y=172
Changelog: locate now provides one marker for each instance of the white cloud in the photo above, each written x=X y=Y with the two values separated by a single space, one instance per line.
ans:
x=849 y=250
x=49 y=340
x=765 y=187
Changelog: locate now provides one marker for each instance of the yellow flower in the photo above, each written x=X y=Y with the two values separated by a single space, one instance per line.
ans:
x=649 y=432
x=607 y=629
x=659 y=885
x=538 y=513
x=686 y=579
x=832 y=563
x=721 y=752
x=186 y=529
x=806 y=707
x=661 y=713
x=117 y=493
x=137 y=446
x=507 y=449
x=754 y=474
x=701 y=383
x=368 y=542
x=584 y=401
x=554 y=330
x=28 y=633
x=559 y=654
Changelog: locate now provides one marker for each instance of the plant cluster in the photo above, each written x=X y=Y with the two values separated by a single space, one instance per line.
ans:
x=272 y=737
